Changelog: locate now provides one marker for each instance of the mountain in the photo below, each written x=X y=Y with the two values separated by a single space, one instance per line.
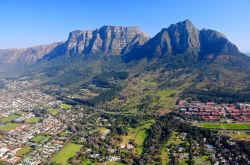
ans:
x=129 y=42
x=25 y=56
x=189 y=62
x=107 y=40
x=184 y=38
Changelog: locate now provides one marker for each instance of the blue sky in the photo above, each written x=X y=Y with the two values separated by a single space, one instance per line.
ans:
x=26 y=23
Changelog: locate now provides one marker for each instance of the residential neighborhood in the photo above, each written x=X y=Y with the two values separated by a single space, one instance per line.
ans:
x=211 y=111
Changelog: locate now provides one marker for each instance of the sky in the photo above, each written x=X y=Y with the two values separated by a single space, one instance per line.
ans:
x=26 y=23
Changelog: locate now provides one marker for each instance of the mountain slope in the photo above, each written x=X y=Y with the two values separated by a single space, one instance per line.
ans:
x=184 y=38
x=107 y=40
x=126 y=71
x=25 y=56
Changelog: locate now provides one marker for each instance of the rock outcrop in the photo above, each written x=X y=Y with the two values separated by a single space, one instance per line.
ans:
x=107 y=40
x=184 y=38
x=177 y=39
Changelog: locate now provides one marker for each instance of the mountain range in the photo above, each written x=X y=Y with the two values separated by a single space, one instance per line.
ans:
x=107 y=40
x=180 y=38
x=196 y=63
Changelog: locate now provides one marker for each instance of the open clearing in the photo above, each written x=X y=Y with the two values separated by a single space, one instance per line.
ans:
x=32 y=120
x=24 y=151
x=139 y=135
x=229 y=126
x=39 y=138
x=66 y=153
x=65 y=106
x=9 y=118
x=8 y=127
x=53 y=111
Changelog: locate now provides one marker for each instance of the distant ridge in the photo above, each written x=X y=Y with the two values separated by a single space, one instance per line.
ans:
x=129 y=42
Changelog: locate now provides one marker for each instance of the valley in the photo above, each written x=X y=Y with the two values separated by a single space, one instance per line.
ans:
x=113 y=95
x=64 y=133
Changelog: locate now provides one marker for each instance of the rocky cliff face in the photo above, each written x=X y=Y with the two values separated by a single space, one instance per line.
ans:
x=184 y=38
x=179 y=38
x=108 y=40
x=215 y=42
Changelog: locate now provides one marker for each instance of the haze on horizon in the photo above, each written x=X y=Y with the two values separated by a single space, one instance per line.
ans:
x=27 y=23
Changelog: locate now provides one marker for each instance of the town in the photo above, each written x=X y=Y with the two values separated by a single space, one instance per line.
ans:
x=38 y=128
x=211 y=111
x=35 y=127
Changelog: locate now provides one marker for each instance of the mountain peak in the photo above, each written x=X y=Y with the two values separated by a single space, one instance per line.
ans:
x=184 y=38
x=180 y=38
x=186 y=24
x=120 y=27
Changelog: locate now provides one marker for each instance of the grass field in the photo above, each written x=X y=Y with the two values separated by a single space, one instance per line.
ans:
x=242 y=135
x=164 y=155
x=229 y=126
x=65 y=106
x=24 y=151
x=66 y=153
x=32 y=120
x=167 y=98
x=53 y=111
x=9 y=118
x=138 y=134
x=39 y=138
x=139 y=139
x=8 y=127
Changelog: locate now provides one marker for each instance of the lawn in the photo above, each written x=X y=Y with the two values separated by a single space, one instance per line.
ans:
x=8 y=118
x=139 y=135
x=53 y=111
x=32 y=120
x=164 y=155
x=229 y=126
x=24 y=151
x=65 y=106
x=66 y=153
x=19 y=113
x=39 y=138
x=8 y=127
x=139 y=140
